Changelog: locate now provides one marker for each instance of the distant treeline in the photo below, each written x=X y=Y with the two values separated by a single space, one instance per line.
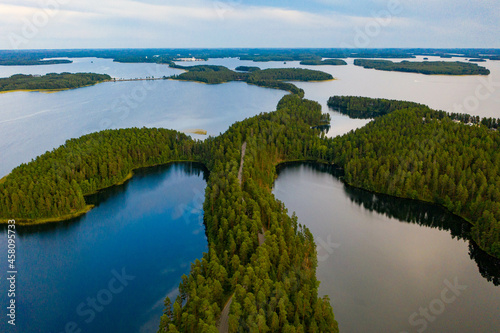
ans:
x=425 y=67
x=51 y=81
x=332 y=62
x=418 y=153
x=365 y=108
x=18 y=57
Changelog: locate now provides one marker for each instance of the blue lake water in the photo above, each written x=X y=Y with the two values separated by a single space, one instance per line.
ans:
x=147 y=231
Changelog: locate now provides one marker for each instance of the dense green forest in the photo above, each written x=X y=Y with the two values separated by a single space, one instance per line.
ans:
x=247 y=68
x=289 y=74
x=425 y=67
x=51 y=81
x=208 y=74
x=332 y=62
x=273 y=286
x=270 y=78
x=55 y=183
x=366 y=108
x=423 y=154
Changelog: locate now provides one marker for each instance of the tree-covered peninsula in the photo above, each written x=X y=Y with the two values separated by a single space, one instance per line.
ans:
x=414 y=152
x=51 y=81
x=365 y=107
x=271 y=283
x=425 y=67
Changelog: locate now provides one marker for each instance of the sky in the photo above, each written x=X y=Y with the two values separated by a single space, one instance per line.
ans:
x=44 y=24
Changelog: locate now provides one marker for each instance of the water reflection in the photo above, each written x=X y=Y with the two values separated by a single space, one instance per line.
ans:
x=151 y=227
x=416 y=212
x=157 y=171
x=155 y=174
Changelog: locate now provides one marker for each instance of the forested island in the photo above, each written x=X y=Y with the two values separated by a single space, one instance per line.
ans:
x=51 y=81
x=270 y=78
x=331 y=62
x=366 y=108
x=425 y=67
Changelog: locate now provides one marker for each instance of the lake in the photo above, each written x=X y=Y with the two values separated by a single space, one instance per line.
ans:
x=382 y=259
x=32 y=122
x=147 y=231
x=377 y=267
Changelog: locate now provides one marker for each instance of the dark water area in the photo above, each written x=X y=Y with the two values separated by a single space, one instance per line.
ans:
x=110 y=270
x=390 y=264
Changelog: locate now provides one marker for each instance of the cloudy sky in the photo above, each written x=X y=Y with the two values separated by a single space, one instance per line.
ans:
x=31 y=24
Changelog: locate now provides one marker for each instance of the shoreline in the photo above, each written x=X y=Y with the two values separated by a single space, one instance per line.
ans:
x=51 y=91
x=30 y=222
x=345 y=182
x=88 y=208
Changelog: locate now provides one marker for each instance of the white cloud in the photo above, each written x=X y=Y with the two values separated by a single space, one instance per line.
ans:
x=203 y=23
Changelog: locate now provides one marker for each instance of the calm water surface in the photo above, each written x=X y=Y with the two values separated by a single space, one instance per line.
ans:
x=382 y=259
x=95 y=65
x=32 y=123
x=151 y=229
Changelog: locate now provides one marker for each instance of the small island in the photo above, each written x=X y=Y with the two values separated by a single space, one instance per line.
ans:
x=331 y=62
x=247 y=68
x=51 y=81
x=427 y=67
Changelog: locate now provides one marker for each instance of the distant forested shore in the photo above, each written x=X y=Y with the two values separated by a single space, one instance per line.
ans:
x=51 y=81
x=425 y=67
x=164 y=56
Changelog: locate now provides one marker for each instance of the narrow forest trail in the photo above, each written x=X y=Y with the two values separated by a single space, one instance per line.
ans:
x=223 y=324
x=240 y=172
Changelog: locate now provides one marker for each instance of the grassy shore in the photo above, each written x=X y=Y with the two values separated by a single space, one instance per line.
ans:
x=50 y=91
x=22 y=221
